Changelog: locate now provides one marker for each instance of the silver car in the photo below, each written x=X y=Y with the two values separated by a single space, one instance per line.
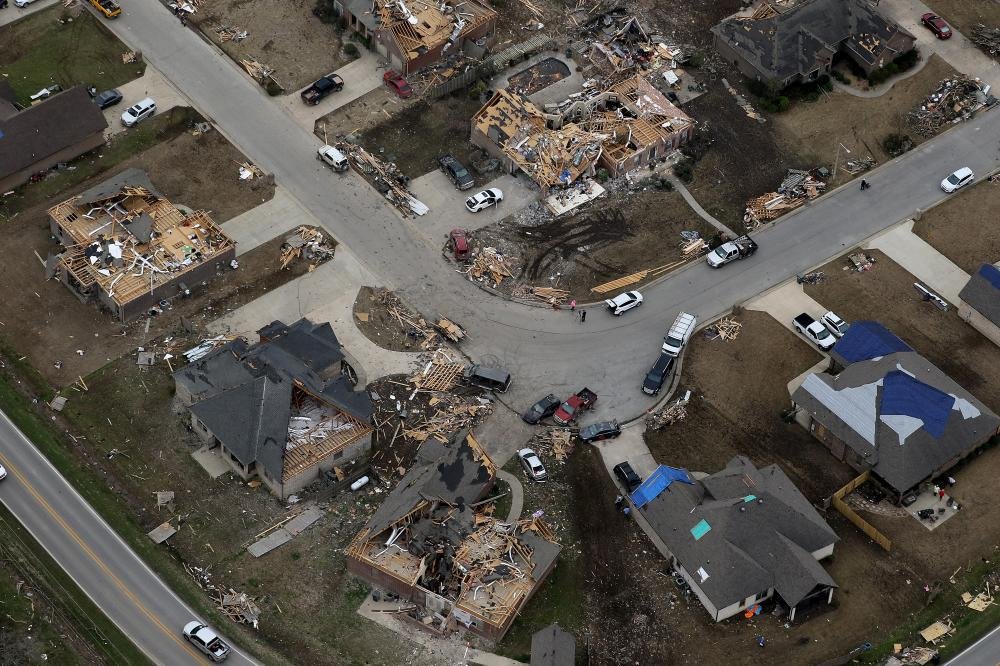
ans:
x=533 y=467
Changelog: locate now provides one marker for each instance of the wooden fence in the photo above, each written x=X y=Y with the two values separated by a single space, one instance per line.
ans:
x=490 y=67
x=840 y=505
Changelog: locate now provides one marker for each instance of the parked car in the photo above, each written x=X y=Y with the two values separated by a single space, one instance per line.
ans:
x=457 y=173
x=22 y=3
x=533 y=467
x=814 y=331
x=836 y=325
x=458 y=241
x=484 y=199
x=109 y=8
x=937 y=25
x=107 y=98
x=333 y=157
x=738 y=248
x=595 y=432
x=491 y=379
x=679 y=333
x=579 y=402
x=658 y=374
x=629 y=479
x=622 y=303
x=398 y=84
x=544 y=408
x=958 y=180
x=3 y=473
x=139 y=112
x=322 y=87
x=206 y=640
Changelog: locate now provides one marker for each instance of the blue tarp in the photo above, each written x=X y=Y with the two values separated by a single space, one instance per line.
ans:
x=904 y=395
x=866 y=340
x=991 y=273
x=657 y=483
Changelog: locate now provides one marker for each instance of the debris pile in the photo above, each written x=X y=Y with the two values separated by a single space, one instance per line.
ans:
x=230 y=33
x=558 y=442
x=954 y=100
x=672 y=413
x=726 y=328
x=450 y=329
x=489 y=262
x=309 y=244
x=692 y=244
x=451 y=415
x=986 y=38
x=258 y=70
x=549 y=295
x=743 y=103
x=249 y=171
x=860 y=261
x=386 y=178
x=129 y=57
x=440 y=374
x=797 y=188
x=854 y=167
x=236 y=605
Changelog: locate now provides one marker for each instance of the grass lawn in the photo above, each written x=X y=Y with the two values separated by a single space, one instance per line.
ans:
x=53 y=46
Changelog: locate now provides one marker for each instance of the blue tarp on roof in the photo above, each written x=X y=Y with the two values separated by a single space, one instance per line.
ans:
x=904 y=395
x=657 y=483
x=866 y=340
x=991 y=273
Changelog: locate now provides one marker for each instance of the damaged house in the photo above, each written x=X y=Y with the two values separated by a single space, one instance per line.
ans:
x=979 y=302
x=889 y=410
x=434 y=542
x=740 y=536
x=628 y=125
x=127 y=247
x=282 y=411
x=413 y=34
x=782 y=46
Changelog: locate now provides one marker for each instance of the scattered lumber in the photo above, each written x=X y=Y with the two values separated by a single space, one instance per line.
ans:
x=797 y=188
x=230 y=33
x=549 y=295
x=955 y=99
x=986 y=38
x=672 y=413
x=450 y=329
x=726 y=328
x=384 y=177
x=489 y=263
x=307 y=243
x=129 y=57
x=256 y=69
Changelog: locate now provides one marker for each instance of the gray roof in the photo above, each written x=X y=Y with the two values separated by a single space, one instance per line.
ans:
x=982 y=295
x=749 y=530
x=363 y=11
x=552 y=646
x=243 y=393
x=801 y=38
x=904 y=417
x=8 y=100
x=44 y=129
x=112 y=187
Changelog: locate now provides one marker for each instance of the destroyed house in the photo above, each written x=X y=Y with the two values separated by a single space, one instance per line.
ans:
x=282 y=410
x=740 y=536
x=413 y=34
x=434 y=542
x=35 y=139
x=127 y=247
x=782 y=46
x=892 y=412
x=979 y=302
x=629 y=125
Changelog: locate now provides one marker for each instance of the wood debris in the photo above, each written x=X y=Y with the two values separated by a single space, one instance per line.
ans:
x=450 y=329
x=230 y=33
x=445 y=421
x=129 y=57
x=955 y=99
x=986 y=38
x=726 y=328
x=860 y=261
x=258 y=70
x=937 y=631
x=549 y=295
x=308 y=243
x=744 y=104
x=438 y=375
x=239 y=607
x=633 y=278
x=558 y=442
x=672 y=413
x=489 y=263
x=797 y=188
x=384 y=177
x=415 y=326
x=249 y=170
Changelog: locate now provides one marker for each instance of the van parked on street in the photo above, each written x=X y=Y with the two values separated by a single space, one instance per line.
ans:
x=679 y=334
x=491 y=379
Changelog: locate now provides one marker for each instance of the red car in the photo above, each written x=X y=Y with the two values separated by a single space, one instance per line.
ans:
x=583 y=400
x=398 y=84
x=937 y=25
x=458 y=239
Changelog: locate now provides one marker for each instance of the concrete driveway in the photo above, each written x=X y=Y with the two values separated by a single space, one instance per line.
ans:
x=360 y=76
x=933 y=269
x=151 y=84
x=447 y=204
x=785 y=302
x=958 y=51
x=261 y=223
x=12 y=13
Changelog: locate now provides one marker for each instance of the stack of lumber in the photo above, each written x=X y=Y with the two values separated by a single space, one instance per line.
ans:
x=545 y=294
x=450 y=329
x=256 y=69
x=489 y=263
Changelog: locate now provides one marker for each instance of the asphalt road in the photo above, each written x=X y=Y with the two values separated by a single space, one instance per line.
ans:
x=115 y=579
x=984 y=652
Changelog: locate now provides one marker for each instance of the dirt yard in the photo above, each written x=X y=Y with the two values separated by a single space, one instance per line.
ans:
x=282 y=34
x=613 y=237
x=960 y=228
x=886 y=294
x=965 y=14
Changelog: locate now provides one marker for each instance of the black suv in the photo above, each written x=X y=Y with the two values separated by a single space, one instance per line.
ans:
x=658 y=374
x=595 y=432
x=459 y=174
x=630 y=480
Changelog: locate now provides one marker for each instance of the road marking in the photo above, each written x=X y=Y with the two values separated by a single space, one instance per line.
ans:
x=97 y=560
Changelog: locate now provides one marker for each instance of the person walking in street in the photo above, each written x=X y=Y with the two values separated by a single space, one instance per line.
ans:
x=864 y=185
x=583 y=316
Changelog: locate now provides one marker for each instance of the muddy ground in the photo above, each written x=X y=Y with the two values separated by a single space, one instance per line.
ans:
x=961 y=228
x=886 y=294
x=283 y=34
x=381 y=326
x=618 y=235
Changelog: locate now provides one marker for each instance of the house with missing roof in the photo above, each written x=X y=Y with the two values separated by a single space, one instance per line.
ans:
x=281 y=410
x=740 y=536
x=36 y=138
x=434 y=543
x=979 y=302
x=889 y=410
x=797 y=44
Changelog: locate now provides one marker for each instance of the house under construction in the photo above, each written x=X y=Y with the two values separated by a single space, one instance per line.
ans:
x=127 y=247
x=623 y=127
x=434 y=542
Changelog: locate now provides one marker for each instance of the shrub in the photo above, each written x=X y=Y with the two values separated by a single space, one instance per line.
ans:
x=840 y=76
x=684 y=171
x=477 y=89
x=782 y=103
x=351 y=51
x=602 y=175
x=901 y=64
x=326 y=11
x=896 y=144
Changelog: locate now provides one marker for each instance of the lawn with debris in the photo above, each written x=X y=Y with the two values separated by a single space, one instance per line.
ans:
x=960 y=227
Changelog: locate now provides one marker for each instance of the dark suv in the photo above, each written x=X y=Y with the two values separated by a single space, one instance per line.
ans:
x=459 y=174
x=595 y=432
x=658 y=374
x=630 y=480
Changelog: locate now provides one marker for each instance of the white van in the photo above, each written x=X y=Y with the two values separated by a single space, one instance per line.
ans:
x=138 y=112
x=679 y=333
x=333 y=157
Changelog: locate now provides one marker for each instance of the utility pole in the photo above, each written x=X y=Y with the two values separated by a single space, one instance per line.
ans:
x=836 y=161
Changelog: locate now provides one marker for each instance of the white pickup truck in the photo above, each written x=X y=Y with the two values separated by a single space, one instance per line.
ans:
x=816 y=332
x=738 y=248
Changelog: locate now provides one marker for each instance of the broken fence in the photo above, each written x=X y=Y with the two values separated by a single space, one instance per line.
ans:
x=491 y=66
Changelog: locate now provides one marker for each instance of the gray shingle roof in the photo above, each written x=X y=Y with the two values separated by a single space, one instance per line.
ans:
x=982 y=293
x=928 y=422
x=552 y=646
x=749 y=530
x=112 y=187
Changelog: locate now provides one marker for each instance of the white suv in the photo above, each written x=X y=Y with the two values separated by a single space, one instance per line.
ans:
x=138 y=112
x=622 y=303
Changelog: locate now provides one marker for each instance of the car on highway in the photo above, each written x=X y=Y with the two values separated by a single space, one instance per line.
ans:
x=533 y=467
x=653 y=382
x=544 y=408
x=398 y=84
x=107 y=98
x=483 y=200
x=595 y=432
x=630 y=480
x=3 y=473
x=206 y=640
x=937 y=25
x=958 y=180
x=622 y=303
x=457 y=172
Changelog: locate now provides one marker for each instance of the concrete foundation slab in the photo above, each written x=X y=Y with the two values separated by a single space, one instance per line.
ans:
x=929 y=500
x=212 y=461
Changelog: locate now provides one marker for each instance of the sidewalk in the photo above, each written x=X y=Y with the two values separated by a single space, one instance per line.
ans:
x=360 y=76
x=271 y=219
x=929 y=266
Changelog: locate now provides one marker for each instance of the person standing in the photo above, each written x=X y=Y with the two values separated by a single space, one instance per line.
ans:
x=572 y=305
x=583 y=316
x=627 y=512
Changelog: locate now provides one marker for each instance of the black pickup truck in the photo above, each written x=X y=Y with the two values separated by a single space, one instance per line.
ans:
x=322 y=87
